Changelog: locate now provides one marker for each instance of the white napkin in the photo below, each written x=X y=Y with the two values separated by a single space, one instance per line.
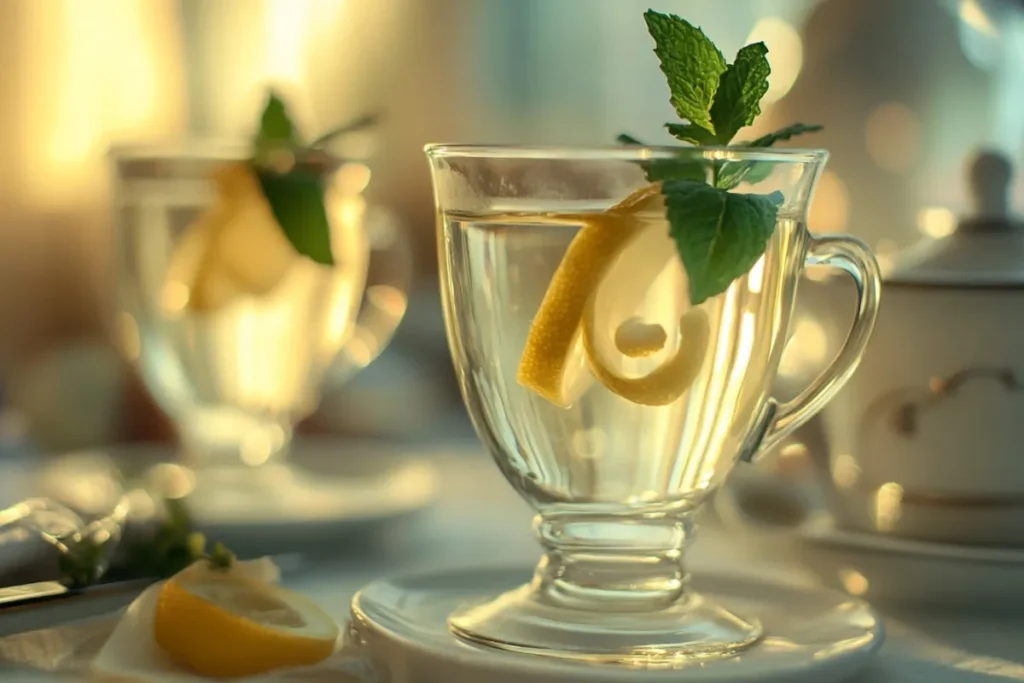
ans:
x=122 y=648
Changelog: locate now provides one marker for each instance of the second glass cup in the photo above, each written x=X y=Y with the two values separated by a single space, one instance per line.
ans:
x=233 y=333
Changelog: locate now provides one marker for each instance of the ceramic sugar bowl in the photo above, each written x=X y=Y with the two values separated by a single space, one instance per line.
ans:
x=927 y=439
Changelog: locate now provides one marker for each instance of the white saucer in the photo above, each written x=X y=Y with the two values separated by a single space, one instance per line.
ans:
x=811 y=635
x=780 y=516
x=330 y=489
x=886 y=569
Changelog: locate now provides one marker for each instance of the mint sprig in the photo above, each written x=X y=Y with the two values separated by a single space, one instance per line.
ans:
x=691 y=64
x=719 y=234
x=291 y=175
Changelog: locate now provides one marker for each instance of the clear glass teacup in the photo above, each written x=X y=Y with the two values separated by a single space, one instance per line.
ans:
x=235 y=334
x=616 y=454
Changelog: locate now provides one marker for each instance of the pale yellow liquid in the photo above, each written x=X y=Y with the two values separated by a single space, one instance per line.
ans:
x=604 y=451
x=247 y=369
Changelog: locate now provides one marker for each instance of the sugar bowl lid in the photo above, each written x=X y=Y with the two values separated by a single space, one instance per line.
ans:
x=987 y=248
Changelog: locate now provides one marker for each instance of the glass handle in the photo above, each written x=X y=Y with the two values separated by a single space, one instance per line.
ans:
x=855 y=258
x=388 y=280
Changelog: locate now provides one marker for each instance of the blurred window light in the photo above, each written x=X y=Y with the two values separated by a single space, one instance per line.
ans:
x=786 y=52
x=78 y=91
x=892 y=136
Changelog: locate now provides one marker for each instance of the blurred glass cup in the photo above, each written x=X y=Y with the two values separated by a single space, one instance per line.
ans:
x=233 y=336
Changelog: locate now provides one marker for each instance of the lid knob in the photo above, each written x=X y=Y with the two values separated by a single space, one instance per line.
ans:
x=988 y=176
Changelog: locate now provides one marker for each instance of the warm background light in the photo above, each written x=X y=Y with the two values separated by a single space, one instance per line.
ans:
x=785 y=50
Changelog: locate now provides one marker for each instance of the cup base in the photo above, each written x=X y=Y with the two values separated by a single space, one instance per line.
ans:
x=522 y=621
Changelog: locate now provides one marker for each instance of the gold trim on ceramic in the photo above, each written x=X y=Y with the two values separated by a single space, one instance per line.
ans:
x=901 y=408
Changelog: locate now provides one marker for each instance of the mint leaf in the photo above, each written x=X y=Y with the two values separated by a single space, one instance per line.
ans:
x=691 y=64
x=783 y=134
x=297 y=201
x=687 y=132
x=720 y=235
x=276 y=130
x=657 y=170
x=739 y=93
x=732 y=173
x=660 y=170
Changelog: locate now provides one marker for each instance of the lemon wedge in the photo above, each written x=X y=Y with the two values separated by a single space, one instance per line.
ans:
x=225 y=625
x=554 y=332
x=234 y=248
x=250 y=245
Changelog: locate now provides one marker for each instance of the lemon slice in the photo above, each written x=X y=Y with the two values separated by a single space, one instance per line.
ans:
x=224 y=625
x=554 y=332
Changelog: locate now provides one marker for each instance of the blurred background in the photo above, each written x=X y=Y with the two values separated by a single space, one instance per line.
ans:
x=906 y=90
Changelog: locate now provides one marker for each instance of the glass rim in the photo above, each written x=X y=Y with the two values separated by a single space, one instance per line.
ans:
x=620 y=152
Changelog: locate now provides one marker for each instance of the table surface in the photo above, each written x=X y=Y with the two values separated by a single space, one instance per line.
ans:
x=479 y=519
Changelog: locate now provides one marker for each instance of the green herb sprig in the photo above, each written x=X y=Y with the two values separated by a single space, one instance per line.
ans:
x=291 y=173
x=720 y=234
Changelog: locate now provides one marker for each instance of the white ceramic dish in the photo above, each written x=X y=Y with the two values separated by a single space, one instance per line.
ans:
x=781 y=516
x=887 y=569
x=813 y=636
x=330 y=490
x=931 y=422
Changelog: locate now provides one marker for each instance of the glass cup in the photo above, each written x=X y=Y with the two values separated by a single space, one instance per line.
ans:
x=238 y=371
x=614 y=469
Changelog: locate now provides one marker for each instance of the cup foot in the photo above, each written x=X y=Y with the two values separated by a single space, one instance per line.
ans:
x=522 y=621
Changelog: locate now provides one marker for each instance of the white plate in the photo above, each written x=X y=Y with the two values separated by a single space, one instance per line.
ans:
x=812 y=636
x=330 y=489
x=886 y=569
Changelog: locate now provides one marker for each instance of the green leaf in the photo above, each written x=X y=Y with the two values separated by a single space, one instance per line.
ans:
x=687 y=132
x=276 y=130
x=783 y=134
x=661 y=170
x=656 y=170
x=691 y=64
x=220 y=557
x=732 y=173
x=720 y=235
x=297 y=200
x=739 y=93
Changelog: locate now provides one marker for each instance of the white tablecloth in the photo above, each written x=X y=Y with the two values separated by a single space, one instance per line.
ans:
x=480 y=519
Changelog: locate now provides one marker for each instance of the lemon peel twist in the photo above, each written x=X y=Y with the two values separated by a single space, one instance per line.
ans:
x=566 y=315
